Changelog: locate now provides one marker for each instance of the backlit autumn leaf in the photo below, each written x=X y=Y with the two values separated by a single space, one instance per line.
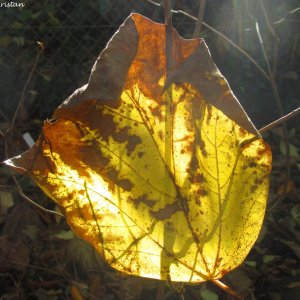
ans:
x=162 y=172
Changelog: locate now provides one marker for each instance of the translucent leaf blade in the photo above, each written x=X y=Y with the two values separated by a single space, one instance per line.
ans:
x=165 y=177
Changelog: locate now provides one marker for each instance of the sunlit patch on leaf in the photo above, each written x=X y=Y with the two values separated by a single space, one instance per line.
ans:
x=165 y=176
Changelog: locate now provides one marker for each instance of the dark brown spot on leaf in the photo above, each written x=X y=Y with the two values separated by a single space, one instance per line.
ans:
x=209 y=114
x=156 y=113
x=258 y=181
x=161 y=135
x=198 y=178
x=112 y=174
x=202 y=147
x=253 y=189
x=197 y=201
x=166 y=212
x=108 y=126
x=122 y=135
x=126 y=184
x=133 y=141
x=141 y=154
x=202 y=192
x=142 y=199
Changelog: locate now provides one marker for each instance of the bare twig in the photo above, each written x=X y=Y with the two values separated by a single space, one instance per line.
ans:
x=288 y=13
x=270 y=27
x=276 y=201
x=261 y=41
x=200 y=18
x=271 y=74
x=18 y=187
x=238 y=15
x=275 y=57
x=169 y=46
x=38 y=55
x=249 y=57
x=275 y=37
x=6 y=188
x=280 y=121
x=272 y=78
x=294 y=47
x=21 y=193
x=167 y=13
x=227 y=289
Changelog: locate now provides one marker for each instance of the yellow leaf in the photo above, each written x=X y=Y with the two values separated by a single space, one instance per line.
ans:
x=162 y=172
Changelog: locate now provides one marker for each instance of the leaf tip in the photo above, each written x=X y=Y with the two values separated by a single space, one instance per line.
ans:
x=11 y=164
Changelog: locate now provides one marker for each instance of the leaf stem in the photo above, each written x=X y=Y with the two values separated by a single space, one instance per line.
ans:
x=169 y=47
x=227 y=289
x=280 y=121
x=249 y=57
x=167 y=13
x=200 y=18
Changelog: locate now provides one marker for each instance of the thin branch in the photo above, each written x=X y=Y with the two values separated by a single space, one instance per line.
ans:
x=275 y=37
x=169 y=43
x=275 y=57
x=238 y=15
x=260 y=39
x=267 y=20
x=280 y=121
x=38 y=55
x=249 y=57
x=200 y=18
x=167 y=13
x=53 y=212
x=271 y=74
x=294 y=48
x=263 y=48
x=7 y=188
x=18 y=187
x=273 y=83
x=21 y=193
x=229 y=41
x=288 y=13
x=227 y=289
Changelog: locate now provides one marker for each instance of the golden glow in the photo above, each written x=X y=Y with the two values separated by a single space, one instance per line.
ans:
x=69 y=181
x=162 y=183
x=135 y=232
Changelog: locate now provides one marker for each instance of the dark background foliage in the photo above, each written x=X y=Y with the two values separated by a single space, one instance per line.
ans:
x=39 y=256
